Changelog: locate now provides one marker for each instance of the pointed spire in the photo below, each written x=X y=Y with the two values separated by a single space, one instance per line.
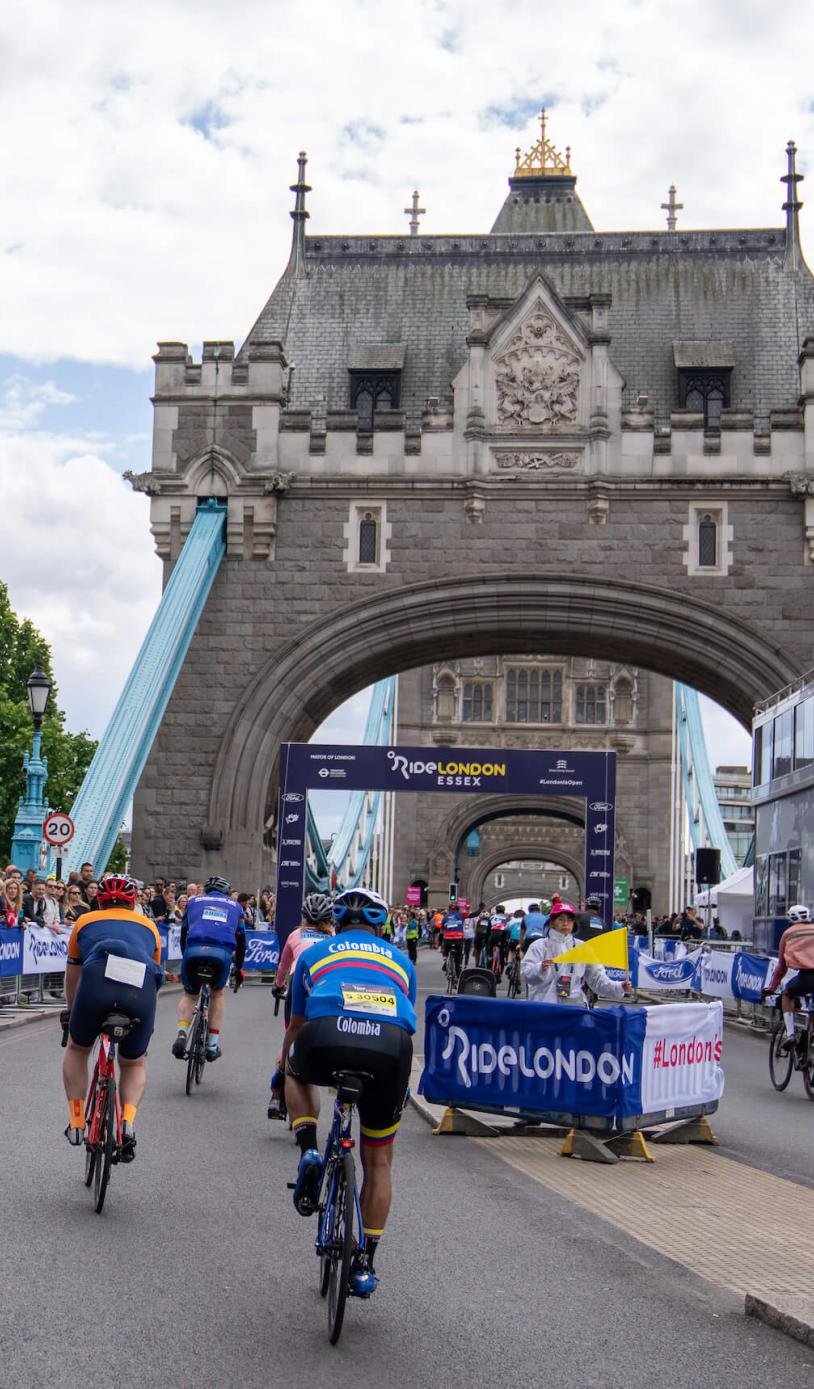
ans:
x=791 y=207
x=296 y=261
x=671 y=207
x=542 y=160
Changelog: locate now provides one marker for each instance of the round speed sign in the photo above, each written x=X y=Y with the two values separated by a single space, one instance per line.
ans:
x=58 y=829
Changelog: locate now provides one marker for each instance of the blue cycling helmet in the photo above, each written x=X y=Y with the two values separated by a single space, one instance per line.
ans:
x=360 y=906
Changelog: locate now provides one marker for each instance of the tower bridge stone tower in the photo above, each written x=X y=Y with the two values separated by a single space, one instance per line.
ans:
x=544 y=439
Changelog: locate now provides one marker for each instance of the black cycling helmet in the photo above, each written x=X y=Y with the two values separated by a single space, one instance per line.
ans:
x=218 y=885
x=594 y=902
x=317 y=907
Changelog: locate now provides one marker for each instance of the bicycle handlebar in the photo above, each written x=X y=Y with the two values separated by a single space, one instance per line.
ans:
x=279 y=995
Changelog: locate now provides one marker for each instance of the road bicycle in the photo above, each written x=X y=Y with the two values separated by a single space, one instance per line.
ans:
x=198 y=1033
x=514 y=976
x=103 y=1142
x=453 y=963
x=496 y=962
x=339 y=1229
x=800 y=1057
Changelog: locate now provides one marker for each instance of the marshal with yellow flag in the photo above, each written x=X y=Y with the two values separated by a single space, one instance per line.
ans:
x=609 y=950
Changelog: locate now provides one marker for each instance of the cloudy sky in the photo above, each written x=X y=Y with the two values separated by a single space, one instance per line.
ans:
x=144 y=187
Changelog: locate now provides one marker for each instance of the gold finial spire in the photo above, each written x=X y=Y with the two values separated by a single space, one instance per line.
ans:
x=542 y=160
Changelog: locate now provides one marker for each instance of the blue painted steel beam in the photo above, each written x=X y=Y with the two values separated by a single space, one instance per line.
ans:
x=693 y=750
x=111 y=779
x=376 y=734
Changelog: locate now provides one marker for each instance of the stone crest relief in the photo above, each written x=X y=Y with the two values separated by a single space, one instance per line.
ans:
x=537 y=376
x=536 y=462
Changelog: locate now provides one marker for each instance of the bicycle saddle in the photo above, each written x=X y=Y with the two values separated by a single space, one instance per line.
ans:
x=118 y=1025
x=349 y=1085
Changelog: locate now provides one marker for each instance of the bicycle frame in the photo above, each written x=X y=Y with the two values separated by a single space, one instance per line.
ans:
x=340 y=1140
x=105 y=1069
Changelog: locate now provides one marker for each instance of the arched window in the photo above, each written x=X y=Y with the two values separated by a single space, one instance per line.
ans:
x=533 y=696
x=551 y=696
x=707 y=542
x=591 y=704
x=477 y=702
x=707 y=392
x=368 y=539
x=372 y=391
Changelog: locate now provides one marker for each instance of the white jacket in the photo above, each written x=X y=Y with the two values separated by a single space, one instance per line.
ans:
x=543 y=982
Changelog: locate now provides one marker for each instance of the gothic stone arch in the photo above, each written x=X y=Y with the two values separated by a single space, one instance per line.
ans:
x=226 y=747
x=522 y=849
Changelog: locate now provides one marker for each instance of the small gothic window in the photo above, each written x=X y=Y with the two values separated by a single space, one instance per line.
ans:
x=368 y=539
x=551 y=696
x=591 y=704
x=707 y=542
x=446 y=698
x=372 y=391
x=477 y=703
x=707 y=392
x=623 y=703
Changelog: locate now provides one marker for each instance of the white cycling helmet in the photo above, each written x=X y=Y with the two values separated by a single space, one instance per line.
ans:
x=799 y=913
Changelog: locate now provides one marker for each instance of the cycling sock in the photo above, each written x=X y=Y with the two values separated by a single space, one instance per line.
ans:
x=183 y=1028
x=76 y=1112
x=129 y=1114
x=372 y=1238
x=788 y=1019
x=305 y=1132
x=213 y=1038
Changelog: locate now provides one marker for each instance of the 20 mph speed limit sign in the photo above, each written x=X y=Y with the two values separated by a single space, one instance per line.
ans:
x=58 y=829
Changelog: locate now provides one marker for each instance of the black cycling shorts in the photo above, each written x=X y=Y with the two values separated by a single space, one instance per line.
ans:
x=386 y=1055
x=98 y=995
x=803 y=984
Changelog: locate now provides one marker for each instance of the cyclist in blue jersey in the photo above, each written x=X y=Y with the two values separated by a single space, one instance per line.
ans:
x=352 y=1009
x=534 y=926
x=213 y=932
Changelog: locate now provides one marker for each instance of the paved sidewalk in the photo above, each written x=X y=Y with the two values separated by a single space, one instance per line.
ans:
x=733 y=1225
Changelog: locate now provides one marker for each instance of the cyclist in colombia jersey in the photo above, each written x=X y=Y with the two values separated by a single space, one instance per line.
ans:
x=352 y=1009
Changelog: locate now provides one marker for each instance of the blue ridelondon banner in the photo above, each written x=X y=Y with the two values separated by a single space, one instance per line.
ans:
x=533 y=1056
x=549 y=1059
x=11 y=952
x=749 y=975
x=305 y=767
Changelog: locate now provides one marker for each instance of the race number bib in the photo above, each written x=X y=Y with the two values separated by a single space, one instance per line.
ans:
x=361 y=998
x=125 y=971
x=212 y=914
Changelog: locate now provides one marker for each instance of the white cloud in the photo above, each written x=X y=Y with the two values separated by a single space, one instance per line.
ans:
x=82 y=568
x=22 y=401
x=145 y=192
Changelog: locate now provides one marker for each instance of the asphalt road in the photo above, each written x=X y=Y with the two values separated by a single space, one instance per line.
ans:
x=200 y=1270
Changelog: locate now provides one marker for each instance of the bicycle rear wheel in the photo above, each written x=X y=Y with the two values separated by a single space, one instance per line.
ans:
x=104 y=1152
x=90 y=1149
x=341 y=1247
x=200 y=1051
x=192 y=1042
x=780 y=1065
x=808 y=1067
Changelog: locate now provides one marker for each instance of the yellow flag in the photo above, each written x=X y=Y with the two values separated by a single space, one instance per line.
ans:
x=609 y=949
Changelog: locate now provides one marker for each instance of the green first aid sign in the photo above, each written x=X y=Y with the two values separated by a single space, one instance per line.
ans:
x=621 y=892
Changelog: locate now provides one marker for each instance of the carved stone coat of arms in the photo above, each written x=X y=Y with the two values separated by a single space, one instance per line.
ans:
x=537 y=376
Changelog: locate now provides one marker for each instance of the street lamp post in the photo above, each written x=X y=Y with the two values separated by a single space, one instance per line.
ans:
x=27 y=841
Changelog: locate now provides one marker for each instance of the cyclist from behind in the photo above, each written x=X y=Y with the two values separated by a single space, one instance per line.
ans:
x=453 y=937
x=498 y=937
x=353 y=1009
x=317 y=921
x=114 y=966
x=534 y=926
x=796 y=951
x=213 y=932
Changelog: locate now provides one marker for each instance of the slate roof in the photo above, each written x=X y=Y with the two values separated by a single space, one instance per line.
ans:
x=666 y=287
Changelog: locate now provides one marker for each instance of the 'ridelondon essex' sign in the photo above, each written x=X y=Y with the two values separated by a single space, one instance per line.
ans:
x=304 y=767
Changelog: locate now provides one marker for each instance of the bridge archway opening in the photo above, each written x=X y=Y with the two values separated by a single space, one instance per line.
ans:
x=660 y=630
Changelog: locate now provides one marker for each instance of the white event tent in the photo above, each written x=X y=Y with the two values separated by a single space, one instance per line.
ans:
x=732 y=901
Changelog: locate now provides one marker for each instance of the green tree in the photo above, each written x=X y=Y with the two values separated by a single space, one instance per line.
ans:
x=69 y=754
